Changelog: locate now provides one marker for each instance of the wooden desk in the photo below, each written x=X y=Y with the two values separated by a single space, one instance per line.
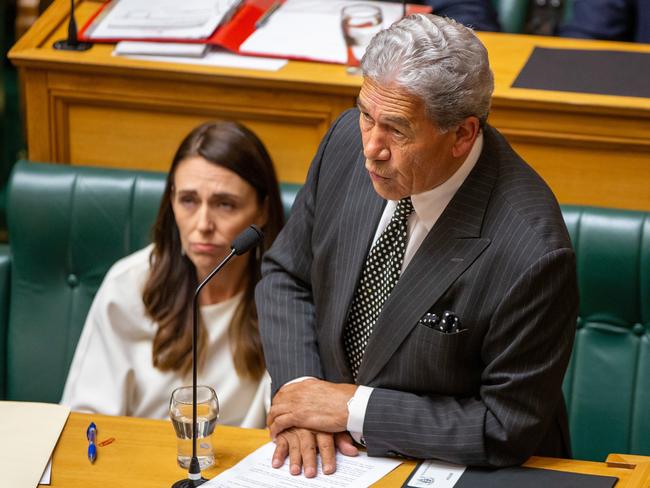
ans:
x=144 y=455
x=91 y=108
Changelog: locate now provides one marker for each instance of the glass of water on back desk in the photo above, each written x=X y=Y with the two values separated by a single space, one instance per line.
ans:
x=359 y=23
x=207 y=413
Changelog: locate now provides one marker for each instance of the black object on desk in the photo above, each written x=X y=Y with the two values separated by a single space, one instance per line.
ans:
x=622 y=73
x=519 y=476
x=72 y=43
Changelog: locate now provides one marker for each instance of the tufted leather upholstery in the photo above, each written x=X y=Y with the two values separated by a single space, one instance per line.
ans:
x=69 y=224
x=607 y=386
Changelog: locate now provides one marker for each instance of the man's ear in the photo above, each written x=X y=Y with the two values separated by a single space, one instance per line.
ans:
x=466 y=134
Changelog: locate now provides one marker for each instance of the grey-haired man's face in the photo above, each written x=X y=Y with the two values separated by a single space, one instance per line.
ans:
x=405 y=152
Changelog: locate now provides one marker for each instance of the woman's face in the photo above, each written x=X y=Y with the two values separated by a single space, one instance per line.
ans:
x=212 y=205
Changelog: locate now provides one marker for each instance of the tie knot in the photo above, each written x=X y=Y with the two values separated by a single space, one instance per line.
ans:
x=404 y=209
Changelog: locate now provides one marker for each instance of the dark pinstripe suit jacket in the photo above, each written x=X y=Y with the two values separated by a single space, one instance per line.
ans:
x=499 y=257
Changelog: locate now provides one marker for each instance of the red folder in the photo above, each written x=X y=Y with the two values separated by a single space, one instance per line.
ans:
x=230 y=35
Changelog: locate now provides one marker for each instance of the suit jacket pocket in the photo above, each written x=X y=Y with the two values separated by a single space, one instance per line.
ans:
x=430 y=361
x=445 y=350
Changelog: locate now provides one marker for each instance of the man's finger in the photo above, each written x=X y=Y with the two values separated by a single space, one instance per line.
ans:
x=345 y=444
x=274 y=413
x=327 y=452
x=308 y=451
x=281 y=452
x=280 y=424
x=295 y=457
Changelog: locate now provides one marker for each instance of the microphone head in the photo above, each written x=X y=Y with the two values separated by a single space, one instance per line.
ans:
x=247 y=240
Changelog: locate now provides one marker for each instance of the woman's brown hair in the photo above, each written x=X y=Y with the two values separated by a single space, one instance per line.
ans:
x=169 y=289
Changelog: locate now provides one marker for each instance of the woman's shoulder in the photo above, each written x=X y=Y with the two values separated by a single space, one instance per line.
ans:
x=136 y=264
x=119 y=299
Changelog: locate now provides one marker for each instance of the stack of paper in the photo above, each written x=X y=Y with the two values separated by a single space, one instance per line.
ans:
x=28 y=434
x=166 y=19
x=310 y=29
x=255 y=470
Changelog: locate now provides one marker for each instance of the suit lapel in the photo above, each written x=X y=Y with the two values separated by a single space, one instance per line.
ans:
x=359 y=218
x=451 y=246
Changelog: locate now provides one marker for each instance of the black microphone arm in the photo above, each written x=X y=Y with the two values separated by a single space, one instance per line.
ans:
x=72 y=42
x=243 y=243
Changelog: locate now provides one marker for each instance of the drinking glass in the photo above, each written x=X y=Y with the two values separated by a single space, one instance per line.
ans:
x=207 y=413
x=359 y=22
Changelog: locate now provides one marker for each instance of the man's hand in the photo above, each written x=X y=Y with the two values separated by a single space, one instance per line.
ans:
x=312 y=404
x=302 y=446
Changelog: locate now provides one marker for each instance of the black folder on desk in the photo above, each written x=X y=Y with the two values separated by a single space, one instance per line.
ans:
x=622 y=73
x=518 y=477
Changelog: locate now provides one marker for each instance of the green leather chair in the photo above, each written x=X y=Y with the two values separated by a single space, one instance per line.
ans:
x=512 y=13
x=69 y=224
x=607 y=386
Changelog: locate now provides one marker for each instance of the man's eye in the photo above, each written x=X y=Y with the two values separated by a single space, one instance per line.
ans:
x=187 y=200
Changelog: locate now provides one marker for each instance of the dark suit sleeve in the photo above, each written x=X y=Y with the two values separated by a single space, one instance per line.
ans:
x=284 y=295
x=525 y=353
x=477 y=14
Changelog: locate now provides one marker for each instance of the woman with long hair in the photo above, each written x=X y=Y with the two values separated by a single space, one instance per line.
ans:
x=136 y=344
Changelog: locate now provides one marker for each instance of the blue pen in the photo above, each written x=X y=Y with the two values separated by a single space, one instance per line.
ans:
x=91 y=434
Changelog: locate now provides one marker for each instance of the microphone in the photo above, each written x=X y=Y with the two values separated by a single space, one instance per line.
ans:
x=243 y=243
x=72 y=42
x=247 y=240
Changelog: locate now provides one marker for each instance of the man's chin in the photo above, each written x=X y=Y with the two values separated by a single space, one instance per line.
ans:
x=386 y=190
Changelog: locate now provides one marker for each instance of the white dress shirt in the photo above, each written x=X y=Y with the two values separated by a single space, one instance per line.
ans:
x=428 y=206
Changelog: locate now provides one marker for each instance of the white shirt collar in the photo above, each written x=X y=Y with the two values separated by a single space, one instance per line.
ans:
x=430 y=204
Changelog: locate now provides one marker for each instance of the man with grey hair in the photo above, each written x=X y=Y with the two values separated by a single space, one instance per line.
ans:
x=422 y=297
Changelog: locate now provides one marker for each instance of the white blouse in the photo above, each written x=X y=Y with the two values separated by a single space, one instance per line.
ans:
x=112 y=371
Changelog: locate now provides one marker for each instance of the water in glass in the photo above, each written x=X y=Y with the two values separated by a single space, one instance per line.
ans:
x=207 y=412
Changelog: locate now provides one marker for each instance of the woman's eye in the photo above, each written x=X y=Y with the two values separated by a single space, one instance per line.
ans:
x=226 y=205
x=187 y=200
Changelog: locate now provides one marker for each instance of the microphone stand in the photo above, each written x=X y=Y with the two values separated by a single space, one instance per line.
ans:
x=72 y=42
x=194 y=477
x=251 y=237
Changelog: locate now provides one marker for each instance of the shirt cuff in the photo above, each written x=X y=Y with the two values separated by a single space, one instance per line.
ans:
x=357 y=412
x=299 y=379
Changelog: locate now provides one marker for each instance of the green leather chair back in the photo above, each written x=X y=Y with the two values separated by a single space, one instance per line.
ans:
x=607 y=386
x=5 y=273
x=512 y=14
x=67 y=226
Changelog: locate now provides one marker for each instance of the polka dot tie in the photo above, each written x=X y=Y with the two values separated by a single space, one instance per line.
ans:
x=378 y=277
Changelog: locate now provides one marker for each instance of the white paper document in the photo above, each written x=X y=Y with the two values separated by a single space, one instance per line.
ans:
x=184 y=49
x=47 y=474
x=147 y=19
x=255 y=471
x=28 y=434
x=310 y=29
x=218 y=58
x=436 y=474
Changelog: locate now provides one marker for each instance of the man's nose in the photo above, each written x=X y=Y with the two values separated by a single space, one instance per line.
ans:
x=375 y=147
